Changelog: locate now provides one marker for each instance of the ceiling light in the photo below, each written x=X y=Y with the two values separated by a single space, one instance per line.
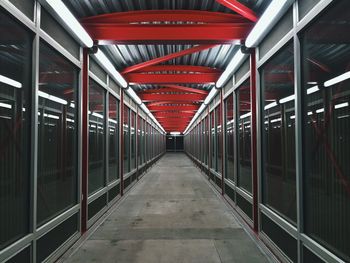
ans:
x=341 y=105
x=271 y=105
x=71 y=22
x=231 y=67
x=10 y=82
x=287 y=99
x=271 y=15
x=175 y=133
x=51 y=97
x=337 y=79
x=312 y=90
x=106 y=63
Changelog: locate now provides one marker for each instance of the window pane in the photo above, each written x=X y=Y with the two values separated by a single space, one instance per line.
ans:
x=326 y=82
x=139 y=139
x=244 y=175
x=133 y=140
x=57 y=134
x=96 y=136
x=126 y=140
x=213 y=140
x=218 y=138
x=279 y=134
x=15 y=90
x=230 y=133
x=113 y=125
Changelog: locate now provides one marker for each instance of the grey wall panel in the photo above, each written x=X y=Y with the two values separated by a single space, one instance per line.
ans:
x=26 y=7
x=305 y=6
x=58 y=33
x=277 y=33
x=97 y=70
x=244 y=69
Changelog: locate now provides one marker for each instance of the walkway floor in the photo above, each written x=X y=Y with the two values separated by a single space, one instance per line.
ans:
x=171 y=215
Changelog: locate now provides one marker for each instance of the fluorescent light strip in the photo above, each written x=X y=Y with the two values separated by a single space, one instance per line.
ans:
x=231 y=67
x=100 y=56
x=134 y=96
x=10 y=82
x=52 y=98
x=320 y=110
x=312 y=90
x=175 y=133
x=287 y=99
x=276 y=120
x=5 y=105
x=271 y=15
x=97 y=115
x=271 y=105
x=70 y=21
x=341 y=105
x=245 y=115
x=337 y=79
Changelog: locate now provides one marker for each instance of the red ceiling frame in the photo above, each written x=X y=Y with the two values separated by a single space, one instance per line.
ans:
x=175 y=89
x=240 y=9
x=173 y=108
x=165 y=16
x=166 y=58
x=219 y=33
x=201 y=78
x=130 y=27
x=179 y=68
x=172 y=97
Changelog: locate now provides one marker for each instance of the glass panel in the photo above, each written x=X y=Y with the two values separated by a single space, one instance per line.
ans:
x=213 y=140
x=279 y=134
x=326 y=113
x=15 y=109
x=57 y=134
x=218 y=138
x=113 y=126
x=126 y=138
x=244 y=175
x=133 y=140
x=96 y=136
x=139 y=139
x=230 y=133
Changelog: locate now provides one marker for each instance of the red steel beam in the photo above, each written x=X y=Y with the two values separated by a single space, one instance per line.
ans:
x=201 y=78
x=141 y=34
x=240 y=9
x=172 y=108
x=165 y=16
x=180 y=68
x=172 y=97
x=166 y=58
x=178 y=89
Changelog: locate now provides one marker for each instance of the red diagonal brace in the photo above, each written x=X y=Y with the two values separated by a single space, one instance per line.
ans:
x=166 y=58
x=239 y=8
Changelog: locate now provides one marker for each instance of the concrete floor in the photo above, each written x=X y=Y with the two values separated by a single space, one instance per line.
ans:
x=171 y=215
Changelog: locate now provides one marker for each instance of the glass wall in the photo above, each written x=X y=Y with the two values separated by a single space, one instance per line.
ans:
x=326 y=113
x=57 y=135
x=230 y=133
x=96 y=137
x=244 y=175
x=113 y=126
x=213 y=140
x=218 y=121
x=133 y=140
x=139 y=140
x=126 y=128
x=278 y=151
x=15 y=110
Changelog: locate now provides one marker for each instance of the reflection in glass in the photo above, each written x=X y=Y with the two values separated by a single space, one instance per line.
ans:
x=218 y=138
x=96 y=137
x=57 y=134
x=126 y=130
x=213 y=140
x=230 y=133
x=244 y=175
x=279 y=181
x=326 y=112
x=15 y=110
x=113 y=126
x=133 y=141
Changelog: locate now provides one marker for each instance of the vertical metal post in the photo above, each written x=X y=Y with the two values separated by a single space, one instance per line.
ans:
x=85 y=139
x=253 y=138
x=209 y=143
x=222 y=141
x=137 y=142
x=121 y=125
